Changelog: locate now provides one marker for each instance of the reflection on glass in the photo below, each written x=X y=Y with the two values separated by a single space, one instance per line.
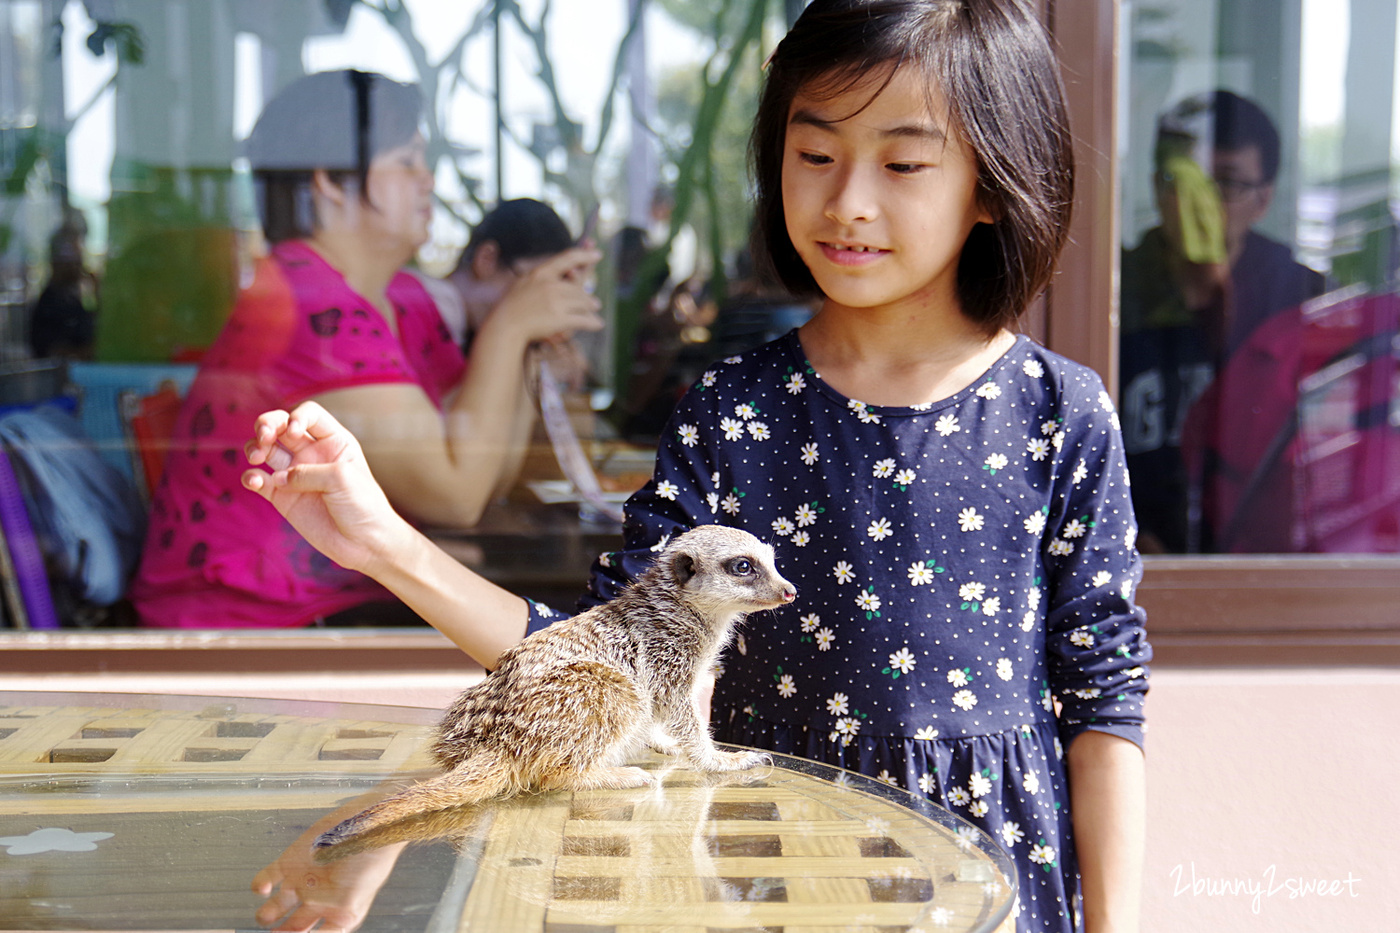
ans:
x=196 y=813
x=1258 y=376
x=129 y=226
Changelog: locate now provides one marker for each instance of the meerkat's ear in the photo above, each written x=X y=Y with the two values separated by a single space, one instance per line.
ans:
x=682 y=567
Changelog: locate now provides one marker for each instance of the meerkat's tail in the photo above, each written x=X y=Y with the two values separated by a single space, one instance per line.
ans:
x=470 y=782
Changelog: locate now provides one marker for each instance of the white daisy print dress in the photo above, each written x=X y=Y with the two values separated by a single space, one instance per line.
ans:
x=965 y=575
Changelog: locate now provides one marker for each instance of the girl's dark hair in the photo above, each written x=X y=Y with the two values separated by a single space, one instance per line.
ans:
x=994 y=66
x=335 y=121
x=521 y=228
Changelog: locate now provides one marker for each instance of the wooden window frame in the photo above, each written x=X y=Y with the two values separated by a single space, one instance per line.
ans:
x=1209 y=610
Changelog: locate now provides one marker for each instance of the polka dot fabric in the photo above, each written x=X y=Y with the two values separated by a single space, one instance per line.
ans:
x=964 y=570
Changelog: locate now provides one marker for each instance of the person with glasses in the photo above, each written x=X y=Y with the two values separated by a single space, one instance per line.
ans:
x=1193 y=290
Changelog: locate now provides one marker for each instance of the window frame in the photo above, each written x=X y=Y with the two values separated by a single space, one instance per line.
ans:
x=1209 y=610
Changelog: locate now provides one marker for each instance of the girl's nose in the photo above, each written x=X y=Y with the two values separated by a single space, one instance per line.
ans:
x=852 y=200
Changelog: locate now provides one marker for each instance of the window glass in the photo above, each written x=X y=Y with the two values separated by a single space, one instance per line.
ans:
x=1259 y=387
x=176 y=253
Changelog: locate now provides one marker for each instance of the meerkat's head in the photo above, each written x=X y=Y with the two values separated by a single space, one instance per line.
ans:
x=725 y=571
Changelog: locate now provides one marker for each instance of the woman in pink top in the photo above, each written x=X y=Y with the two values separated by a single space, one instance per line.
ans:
x=345 y=194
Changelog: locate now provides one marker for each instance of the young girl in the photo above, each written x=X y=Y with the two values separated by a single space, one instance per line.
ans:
x=949 y=498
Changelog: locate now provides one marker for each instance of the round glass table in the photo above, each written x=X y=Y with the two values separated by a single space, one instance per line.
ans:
x=126 y=812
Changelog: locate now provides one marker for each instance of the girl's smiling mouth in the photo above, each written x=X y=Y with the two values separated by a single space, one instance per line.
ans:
x=851 y=254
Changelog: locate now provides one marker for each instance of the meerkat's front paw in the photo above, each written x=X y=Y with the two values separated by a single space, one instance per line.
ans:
x=734 y=761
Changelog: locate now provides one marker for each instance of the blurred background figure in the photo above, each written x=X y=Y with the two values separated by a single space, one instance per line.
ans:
x=1193 y=291
x=63 y=319
x=345 y=199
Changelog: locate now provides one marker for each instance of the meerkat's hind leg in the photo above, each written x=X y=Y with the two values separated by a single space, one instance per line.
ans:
x=601 y=777
x=661 y=741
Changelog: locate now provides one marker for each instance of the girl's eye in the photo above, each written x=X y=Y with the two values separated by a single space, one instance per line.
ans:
x=814 y=158
x=905 y=168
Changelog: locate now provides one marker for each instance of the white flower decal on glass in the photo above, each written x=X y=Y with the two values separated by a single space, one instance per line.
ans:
x=52 y=839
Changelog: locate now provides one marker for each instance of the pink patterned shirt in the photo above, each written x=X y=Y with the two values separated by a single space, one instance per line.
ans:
x=218 y=556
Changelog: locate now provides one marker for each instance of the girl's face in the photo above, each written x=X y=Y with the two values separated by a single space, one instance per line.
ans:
x=879 y=204
x=400 y=193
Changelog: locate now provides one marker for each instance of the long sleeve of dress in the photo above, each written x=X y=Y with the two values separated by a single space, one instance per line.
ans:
x=1095 y=633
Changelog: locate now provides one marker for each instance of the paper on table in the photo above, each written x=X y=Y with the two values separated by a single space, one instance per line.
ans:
x=567 y=450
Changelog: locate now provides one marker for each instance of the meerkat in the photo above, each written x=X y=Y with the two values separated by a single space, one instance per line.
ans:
x=567 y=706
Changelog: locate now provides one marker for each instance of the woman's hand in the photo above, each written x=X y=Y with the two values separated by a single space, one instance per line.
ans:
x=321 y=484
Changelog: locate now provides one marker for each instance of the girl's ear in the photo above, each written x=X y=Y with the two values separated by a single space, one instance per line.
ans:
x=988 y=211
x=486 y=261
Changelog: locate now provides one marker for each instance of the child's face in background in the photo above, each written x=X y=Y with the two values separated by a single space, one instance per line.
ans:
x=879 y=204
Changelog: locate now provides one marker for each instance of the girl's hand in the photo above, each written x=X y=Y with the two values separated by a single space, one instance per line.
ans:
x=552 y=300
x=321 y=484
x=301 y=891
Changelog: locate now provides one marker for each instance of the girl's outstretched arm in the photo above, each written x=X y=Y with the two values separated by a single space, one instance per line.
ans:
x=316 y=476
x=1108 y=801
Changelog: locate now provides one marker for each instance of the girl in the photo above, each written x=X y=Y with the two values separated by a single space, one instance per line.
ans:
x=949 y=498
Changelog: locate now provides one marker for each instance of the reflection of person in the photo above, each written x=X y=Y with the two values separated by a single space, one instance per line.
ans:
x=301 y=890
x=1195 y=288
x=960 y=537
x=62 y=321
x=346 y=198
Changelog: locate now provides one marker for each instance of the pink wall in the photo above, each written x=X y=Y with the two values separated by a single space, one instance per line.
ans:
x=1274 y=803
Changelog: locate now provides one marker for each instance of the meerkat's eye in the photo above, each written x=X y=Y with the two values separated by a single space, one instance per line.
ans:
x=741 y=567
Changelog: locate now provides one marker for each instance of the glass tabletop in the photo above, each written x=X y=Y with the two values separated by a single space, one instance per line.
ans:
x=126 y=812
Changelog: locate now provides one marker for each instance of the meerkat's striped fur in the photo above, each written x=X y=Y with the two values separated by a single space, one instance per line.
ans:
x=566 y=706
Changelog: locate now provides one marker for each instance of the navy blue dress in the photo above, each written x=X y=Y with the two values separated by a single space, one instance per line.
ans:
x=963 y=570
